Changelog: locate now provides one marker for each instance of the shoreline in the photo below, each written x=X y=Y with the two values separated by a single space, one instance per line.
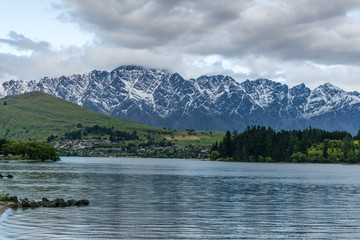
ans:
x=25 y=160
x=3 y=207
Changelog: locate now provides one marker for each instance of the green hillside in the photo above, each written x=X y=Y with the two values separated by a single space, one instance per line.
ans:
x=37 y=115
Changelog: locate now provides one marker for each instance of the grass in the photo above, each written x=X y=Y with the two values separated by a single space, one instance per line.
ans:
x=4 y=197
x=37 y=115
x=197 y=138
x=181 y=138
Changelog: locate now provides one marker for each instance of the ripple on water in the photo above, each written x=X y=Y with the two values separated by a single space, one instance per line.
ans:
x=184 y=199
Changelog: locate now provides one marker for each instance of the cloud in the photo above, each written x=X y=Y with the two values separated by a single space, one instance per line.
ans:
x=303 y=41
x=149 y=24
x=286 y=30
x=20 y=42
x=73 y=60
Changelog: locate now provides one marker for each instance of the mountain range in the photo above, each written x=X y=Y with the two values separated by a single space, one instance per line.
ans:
x=160 y=98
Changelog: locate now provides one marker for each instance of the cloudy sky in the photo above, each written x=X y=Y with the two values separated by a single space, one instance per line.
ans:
x=302 y=41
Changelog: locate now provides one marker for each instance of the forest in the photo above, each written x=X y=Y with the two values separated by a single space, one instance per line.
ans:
x=10 y=149
x=261 y=144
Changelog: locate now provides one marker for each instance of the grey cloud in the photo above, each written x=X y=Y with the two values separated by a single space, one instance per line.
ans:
x=156 y=23
x=20 y=42
x=289 y=30
x=73 y=60
x=301 y=30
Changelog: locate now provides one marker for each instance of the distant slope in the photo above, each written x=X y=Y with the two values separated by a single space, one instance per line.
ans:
x=37 y=115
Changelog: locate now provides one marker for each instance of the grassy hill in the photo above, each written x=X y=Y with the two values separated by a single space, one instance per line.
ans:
x=37 y=115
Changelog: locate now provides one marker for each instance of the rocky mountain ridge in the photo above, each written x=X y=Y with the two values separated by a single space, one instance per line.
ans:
x=160 y=98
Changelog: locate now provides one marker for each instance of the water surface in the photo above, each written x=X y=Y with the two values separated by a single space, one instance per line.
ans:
x=184 y=199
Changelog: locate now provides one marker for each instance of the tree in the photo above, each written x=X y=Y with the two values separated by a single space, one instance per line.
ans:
x=312 y=145
x=214 y=155
x=238 y=153
x=325 y=149
x=215 y=147
x=190 y=131
x=31 y=150
x=2 y=142
x=227 y=149
x=357 y=137
x=346 y=148
x=298 y=157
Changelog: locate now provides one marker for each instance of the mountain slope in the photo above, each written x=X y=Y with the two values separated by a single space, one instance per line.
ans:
x=159 y=98
x=37 y=115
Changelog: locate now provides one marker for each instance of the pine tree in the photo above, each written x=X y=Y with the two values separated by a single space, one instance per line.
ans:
x=325 y=150
x=227 y=145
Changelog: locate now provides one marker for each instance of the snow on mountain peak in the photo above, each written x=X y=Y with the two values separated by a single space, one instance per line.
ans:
x=159 y=98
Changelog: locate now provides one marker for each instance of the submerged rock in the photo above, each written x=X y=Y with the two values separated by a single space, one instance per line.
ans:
x=61 y=202
x=7 y=176
x=50 y=204
x=82 y=202
x=15 y=205
x=25 y=203
x=34 y=204
x=72 y=202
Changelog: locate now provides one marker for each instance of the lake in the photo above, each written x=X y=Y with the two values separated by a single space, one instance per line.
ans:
x=183 y=199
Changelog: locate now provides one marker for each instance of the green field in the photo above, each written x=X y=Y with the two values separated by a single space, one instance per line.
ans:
x=37 y=115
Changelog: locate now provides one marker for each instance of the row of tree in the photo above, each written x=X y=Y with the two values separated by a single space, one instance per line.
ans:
x=28 y=150
x=114 y=135
x=258 y=143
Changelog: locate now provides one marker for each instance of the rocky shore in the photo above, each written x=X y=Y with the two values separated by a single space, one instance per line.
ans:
x=7 y=202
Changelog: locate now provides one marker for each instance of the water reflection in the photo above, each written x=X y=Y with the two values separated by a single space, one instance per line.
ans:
x=184 y=199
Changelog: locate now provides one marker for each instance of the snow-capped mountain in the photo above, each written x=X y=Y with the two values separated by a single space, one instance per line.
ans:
x=159 y=98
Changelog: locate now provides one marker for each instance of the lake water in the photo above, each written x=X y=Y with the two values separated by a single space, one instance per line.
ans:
x=184 y=199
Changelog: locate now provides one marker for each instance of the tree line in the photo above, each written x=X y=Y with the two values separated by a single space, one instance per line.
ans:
x=114 y=135
x=28 y=150
x=261 y=144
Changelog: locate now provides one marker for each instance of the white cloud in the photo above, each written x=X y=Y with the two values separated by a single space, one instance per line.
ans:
x=6 y=77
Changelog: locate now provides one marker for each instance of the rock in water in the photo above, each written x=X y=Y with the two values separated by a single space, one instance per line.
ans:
x=82 y=202
x=13 y=199
x=25 y=203
x=59 y=202
x=71 y=202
